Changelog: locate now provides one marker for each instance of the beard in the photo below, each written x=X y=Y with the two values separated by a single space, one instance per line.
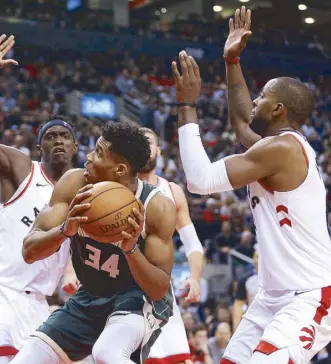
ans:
x=259 y=127
x=150 y=165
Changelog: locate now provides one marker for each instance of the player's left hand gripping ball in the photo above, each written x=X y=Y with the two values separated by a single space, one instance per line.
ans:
x=137 y=222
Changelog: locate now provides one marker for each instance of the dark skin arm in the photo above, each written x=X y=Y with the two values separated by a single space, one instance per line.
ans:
x=152 y=270
x=239 y=101
x=45 y=238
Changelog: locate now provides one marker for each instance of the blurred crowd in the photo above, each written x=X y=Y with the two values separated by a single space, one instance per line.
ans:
x=36 y=89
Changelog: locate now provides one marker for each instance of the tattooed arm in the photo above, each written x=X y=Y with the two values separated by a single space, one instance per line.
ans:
x=239 y=102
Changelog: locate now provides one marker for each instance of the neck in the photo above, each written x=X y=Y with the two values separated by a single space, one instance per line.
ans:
x=281 y=127
x=55 y=172
x=131 y=183
x=149 y=177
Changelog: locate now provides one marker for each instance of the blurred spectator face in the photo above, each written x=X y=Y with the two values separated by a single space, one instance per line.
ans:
x=200 y=338
x=246 y=238
x=8 y=137
x=226 y=228
x=19 y=141
x=223 y=334
x=188 y=321
x=57 y=145
x=223 y=315
x=155 y=153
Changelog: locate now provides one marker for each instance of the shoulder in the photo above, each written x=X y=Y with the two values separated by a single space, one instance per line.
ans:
x=160 y=214
x=68 y=185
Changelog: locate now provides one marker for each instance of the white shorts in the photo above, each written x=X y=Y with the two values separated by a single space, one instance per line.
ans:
x=171 y=346
x=299 y=321
x=20 y=315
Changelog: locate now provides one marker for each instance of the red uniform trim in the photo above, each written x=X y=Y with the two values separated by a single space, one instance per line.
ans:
x=262 y=184
x=266 y=348
x=290 y=361
x=282 y=208
x=7 y=351
x=24 y=189
x=44 y=174
x=172 y=359
x=322 y=310
x=285 y=221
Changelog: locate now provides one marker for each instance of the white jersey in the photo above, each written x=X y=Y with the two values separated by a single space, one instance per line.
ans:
x=16 y=219
x=291 y=227
x=164 y=186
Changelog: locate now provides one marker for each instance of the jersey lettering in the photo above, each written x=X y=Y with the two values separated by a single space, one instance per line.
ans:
x=110 y=265
x=254 y=201
x=27 y=221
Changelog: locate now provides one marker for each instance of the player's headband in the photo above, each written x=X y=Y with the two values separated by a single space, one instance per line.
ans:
x=52 y=123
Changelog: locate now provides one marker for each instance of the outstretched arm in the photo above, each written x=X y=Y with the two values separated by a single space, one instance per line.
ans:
x=152 y=270
x=239 y=101
x=46 y=236
x=191 y=242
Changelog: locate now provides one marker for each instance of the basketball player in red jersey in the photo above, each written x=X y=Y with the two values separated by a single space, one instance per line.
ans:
x=25 y=188
x=172 y=345
x=289 y=321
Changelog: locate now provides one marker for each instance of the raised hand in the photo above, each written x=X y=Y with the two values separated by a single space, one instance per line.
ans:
x=5 y=46
x=239 y=33
x=188 y=84
x=76 y=209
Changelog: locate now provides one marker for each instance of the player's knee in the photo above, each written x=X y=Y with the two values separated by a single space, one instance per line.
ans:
x=105 y=354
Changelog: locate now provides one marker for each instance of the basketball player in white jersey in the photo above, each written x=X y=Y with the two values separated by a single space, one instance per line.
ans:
x=26 y=187
x=289 y=321
x=172 y=345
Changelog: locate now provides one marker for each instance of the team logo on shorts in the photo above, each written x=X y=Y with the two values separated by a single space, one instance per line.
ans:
x=309 y=337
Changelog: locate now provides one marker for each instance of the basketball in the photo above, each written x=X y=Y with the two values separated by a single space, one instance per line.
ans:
x=111 y=206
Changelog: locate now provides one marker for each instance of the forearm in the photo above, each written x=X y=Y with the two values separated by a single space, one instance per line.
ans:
x=151 y=279
x=240 y=105
x=195 y=261
x=202 y=176
x=40 y=244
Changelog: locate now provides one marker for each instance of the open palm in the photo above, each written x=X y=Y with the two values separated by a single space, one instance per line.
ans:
x=239 y=33
x=5 y=46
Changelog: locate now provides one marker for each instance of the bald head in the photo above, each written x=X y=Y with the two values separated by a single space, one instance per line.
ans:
x=294 y=95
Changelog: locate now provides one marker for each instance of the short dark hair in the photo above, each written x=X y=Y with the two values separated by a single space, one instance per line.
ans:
x=59 y=117
x=129 y=142
x=198 y=328
x=296 y=97
x=152 y=132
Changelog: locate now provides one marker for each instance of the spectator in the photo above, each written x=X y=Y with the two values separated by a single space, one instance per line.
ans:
x=219 y=342
x=200 y=353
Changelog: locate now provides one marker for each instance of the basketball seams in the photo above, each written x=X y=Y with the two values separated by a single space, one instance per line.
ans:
x=109 y=189
x=110 y=213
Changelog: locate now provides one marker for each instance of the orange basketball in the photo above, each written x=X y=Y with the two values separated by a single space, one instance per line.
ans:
x=111 y=206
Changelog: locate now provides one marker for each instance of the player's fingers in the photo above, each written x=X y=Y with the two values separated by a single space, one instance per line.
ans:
x=245 y=37
x=248 y=20
x=9 y=46
x=79 y=198
x=2 y=38
x=190 y=68
x=139 y=217
x=242 y=16
x=175 y=73
x=85 y=188
x=7 y=43
x=141 y=207
x=134 y=224
x=195 y=68
x=8 y=62
x=237 y=19
x=183 y=65
x=231 y=25
x=79 y=209
x=126 y=236
x=78 y=219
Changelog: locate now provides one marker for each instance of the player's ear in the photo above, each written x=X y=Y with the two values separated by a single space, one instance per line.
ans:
x=279 y=109
x=38 y=148
x=158 y=151
x=75 y=147
x=121 y=169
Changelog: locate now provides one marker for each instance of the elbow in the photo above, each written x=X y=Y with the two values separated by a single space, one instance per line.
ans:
x=27 y=252
x=158 y=294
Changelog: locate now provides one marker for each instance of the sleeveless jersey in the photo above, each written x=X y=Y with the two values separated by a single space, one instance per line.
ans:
x=102 y=269
x=291 y=228
x=164 y=186
x=16 y=219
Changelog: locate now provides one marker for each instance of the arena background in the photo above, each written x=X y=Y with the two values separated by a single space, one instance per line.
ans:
x=110 y=60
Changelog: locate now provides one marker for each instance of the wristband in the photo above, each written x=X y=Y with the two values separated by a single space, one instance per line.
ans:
x=190 y=104
x=62 y=231
x=231 y=60
x=135 y=247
